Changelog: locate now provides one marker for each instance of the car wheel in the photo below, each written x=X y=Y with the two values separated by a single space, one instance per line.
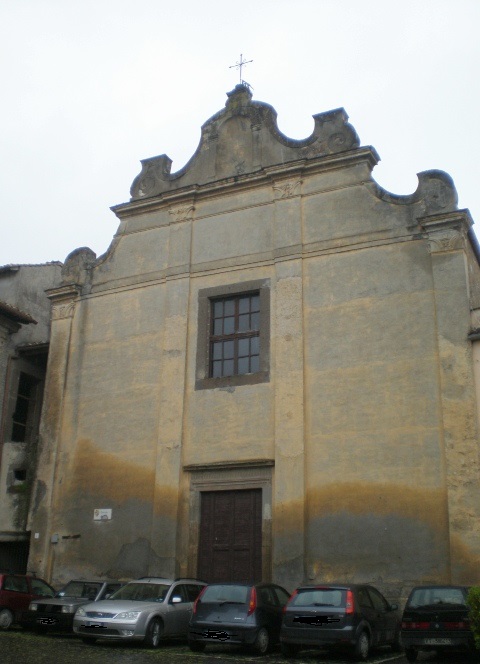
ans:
x=362 y=647
x=154 y=633
x=289 y=649
x=6 y=618
x=411 y=654
x=262 y=642
x=89 y=640
x=196 y=646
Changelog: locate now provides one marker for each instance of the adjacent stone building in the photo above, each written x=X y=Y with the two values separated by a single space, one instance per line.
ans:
x=24 y=337
x=269 y=374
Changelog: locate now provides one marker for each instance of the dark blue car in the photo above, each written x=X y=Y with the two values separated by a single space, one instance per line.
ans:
x=354 y=617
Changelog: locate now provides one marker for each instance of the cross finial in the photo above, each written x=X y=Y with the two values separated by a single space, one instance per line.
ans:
x=238 y=65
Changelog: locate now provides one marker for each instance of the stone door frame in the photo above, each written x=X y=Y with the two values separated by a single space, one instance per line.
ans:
x=227 y=477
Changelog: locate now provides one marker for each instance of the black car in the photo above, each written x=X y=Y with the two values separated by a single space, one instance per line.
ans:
x=238 y=614
x=353 y=617
x=436 y=618
x=57 y=613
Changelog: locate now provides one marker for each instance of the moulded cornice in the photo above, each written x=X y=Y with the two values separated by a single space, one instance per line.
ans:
x=239 y=183
x=63 y=293
x=447 y=231
x=229 y=465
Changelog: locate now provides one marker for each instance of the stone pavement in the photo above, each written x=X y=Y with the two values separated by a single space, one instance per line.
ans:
x=21 y=647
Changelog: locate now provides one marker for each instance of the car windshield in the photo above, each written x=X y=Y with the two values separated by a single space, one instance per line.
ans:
x=319 y=597
x=78 y=589
x=142 y=592
x=226 y=594
x=422 y=597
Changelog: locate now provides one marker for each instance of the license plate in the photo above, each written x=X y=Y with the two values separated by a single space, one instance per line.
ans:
x=216 y=634
x=47 y=621
x=438 y=642
x=94 y=624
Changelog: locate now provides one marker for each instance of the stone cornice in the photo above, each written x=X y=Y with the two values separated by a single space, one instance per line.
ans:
x=63 y=300
x=188 y=195
x=229 y=465
x=447 y=231
x=64 y=293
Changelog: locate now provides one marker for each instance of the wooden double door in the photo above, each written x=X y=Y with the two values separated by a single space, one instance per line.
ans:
x=230 y=542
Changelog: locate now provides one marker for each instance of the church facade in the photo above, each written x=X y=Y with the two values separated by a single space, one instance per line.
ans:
x=269 y=374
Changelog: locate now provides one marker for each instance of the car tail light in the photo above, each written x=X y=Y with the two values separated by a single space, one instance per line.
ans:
x=198 y=599
x=295 y=592
x=253 y=602
x=415 y=625
x=461 y=624
x=350 y=603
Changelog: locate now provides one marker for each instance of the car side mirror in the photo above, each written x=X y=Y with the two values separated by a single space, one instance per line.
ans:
x=176 y=600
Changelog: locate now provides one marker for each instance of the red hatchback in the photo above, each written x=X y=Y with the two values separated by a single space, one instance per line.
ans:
x=16 y=593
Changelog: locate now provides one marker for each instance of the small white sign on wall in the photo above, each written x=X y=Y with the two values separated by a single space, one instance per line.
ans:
x=102 y=515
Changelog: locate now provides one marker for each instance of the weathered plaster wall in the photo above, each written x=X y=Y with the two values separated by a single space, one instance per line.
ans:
x=23 y=287
x=371 y=361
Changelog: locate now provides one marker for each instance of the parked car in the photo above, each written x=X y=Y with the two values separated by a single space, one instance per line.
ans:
x=238 y=614
x=147 y=610
x=354 y=617
x=16 y=593
x=57 y=612
x=436 y=618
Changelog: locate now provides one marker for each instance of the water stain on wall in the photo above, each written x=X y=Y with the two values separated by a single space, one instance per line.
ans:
x=97 y=475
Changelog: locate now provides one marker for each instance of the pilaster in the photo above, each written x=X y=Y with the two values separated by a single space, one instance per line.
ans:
x=448 y=237
x=289 y=483
x=41 y=524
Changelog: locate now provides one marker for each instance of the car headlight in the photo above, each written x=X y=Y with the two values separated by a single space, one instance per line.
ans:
x=80 y=612
x=33 y=607
x=68 y=609
x=128 y=615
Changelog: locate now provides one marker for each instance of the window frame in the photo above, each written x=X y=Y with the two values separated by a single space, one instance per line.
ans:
x=26 y=408
x=206 y=297
x=34 y=366
x=237 y=337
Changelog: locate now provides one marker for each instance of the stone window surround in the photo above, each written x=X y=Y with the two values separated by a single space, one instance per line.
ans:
x=205 y=295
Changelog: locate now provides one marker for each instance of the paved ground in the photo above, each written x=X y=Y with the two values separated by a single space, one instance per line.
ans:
x=21 y=647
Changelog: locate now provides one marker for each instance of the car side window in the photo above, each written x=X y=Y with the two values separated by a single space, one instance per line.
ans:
x=364 y=598
x=17 y=584
x=282 y=595
x=379 y=603
x=39 y=587
x=193 y=591
x=180 y=591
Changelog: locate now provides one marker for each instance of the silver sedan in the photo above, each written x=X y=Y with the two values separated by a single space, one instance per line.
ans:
x=147 y=610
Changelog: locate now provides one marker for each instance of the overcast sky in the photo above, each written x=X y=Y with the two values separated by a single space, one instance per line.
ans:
x=90 y=87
